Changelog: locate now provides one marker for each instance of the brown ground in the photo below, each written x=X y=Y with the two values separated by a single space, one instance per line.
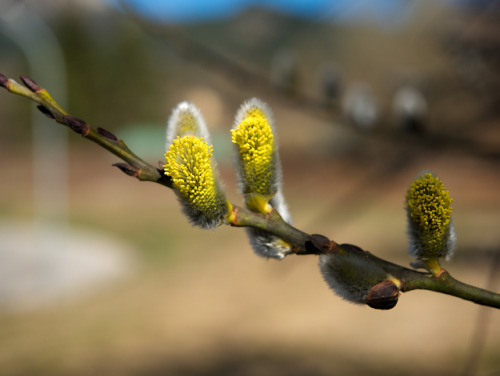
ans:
x=201 y=303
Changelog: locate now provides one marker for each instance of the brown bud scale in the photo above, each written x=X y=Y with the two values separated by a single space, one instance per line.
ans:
x=384 y=295
x=127 y=169
x=78 y=125
x=30 y=84
x=107 y=134
x=44 y=110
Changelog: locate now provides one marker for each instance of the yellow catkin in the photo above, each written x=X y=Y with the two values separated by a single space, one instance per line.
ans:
x=254 y=138
x=188 y=163
x=429 y=208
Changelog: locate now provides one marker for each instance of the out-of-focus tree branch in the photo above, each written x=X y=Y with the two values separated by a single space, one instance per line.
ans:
x=199 y=53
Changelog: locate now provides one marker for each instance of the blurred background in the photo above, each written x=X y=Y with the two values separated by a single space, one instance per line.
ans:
x=102 y=274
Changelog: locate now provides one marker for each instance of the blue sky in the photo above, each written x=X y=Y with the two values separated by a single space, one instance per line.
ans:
x=179 y=11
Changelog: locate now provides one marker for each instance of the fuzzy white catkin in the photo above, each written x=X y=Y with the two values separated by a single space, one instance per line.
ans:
x=265 y=244
x=350 y=275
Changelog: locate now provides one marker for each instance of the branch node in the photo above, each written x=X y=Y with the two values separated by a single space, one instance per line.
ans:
x=440 y=273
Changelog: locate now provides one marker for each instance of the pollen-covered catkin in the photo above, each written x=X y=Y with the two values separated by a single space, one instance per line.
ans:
x=257 y=162
x=430 y=225
x=189 y=164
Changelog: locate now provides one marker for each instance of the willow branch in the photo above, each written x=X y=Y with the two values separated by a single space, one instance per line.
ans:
x=302 y=243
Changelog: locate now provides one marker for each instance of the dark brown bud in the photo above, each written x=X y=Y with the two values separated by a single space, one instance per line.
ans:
x=78 y=125
x=127 y=169
x=44 y=110
x=107 y=134
x=30 y=84
x=383 y=295
x=3 y=80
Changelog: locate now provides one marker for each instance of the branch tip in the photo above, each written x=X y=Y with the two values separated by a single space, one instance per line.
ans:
x=77 y=125
x=105 y=133
x=30 y=84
